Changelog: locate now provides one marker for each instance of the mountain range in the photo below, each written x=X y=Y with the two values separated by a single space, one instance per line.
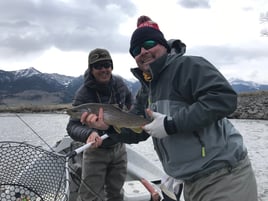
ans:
x=30 y=86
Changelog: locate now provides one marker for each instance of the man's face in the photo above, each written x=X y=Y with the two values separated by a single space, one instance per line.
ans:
x=147 y=53
x=102 y=71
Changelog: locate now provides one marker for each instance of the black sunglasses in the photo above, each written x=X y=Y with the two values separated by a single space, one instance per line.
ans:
x=146 y=45
x=100 y=65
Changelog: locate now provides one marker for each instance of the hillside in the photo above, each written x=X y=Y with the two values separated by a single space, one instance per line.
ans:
x=32 y=90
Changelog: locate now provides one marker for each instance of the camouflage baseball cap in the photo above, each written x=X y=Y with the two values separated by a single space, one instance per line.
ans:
x=97 y=55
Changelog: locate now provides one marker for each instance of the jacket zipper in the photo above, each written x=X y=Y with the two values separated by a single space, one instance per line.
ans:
x=203 y=148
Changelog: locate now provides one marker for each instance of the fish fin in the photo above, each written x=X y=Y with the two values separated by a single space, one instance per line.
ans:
x=137 y=130
x=117 y=129
x=116 y=106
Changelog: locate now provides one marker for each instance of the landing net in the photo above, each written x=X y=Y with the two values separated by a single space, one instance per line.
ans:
x=30 y=173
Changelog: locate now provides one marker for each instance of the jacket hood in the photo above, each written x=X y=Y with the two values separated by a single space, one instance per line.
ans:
x=176 y=46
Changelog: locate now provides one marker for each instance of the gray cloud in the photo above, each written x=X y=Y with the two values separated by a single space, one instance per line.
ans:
x=194 y=3
x=30 y=26
x=222 y=55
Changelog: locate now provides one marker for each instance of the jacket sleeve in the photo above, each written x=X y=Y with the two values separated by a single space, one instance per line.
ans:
x=208 y=94
x=127 y=136
x=77 y=131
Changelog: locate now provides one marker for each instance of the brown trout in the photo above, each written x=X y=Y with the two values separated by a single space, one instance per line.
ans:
x=112 y=115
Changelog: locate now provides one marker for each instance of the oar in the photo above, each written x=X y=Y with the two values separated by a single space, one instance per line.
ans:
x=84 y=147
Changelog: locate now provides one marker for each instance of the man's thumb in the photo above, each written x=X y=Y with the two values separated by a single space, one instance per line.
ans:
x=149 y=112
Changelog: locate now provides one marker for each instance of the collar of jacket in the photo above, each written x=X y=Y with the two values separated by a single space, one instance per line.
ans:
x=155 y=69
x=158 y=66
x=138 y=74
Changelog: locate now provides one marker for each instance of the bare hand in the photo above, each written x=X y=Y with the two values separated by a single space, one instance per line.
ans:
x=94 y=121
x=95 y=139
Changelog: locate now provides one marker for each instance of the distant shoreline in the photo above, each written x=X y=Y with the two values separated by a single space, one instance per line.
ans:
x=253 y=105
x=34 y=108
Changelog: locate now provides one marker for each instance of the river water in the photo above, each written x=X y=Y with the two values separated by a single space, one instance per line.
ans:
x=42 y=129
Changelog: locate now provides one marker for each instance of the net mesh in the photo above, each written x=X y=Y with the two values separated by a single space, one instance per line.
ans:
x=30 y=173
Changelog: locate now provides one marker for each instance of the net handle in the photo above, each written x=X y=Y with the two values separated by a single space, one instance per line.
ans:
x=84 y=147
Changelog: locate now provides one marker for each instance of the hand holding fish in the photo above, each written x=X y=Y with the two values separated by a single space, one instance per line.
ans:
x=94 y=120
x=109 y=115
x=156 y=128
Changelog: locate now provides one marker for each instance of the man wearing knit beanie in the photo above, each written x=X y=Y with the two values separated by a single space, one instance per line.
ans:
x=188 y=100
x=146 y=30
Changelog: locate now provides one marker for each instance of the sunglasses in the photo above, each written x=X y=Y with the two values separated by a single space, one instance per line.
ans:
x=146 y=45
x=100 y=65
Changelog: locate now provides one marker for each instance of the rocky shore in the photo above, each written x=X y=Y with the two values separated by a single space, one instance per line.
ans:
x=252 y=105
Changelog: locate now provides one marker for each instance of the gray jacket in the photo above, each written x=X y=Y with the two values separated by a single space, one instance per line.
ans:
x=197 y=98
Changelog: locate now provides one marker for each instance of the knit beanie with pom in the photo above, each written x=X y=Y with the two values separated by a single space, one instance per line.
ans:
x=146 y=30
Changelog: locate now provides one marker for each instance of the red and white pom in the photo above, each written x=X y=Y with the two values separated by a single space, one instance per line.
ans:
x=145 y=21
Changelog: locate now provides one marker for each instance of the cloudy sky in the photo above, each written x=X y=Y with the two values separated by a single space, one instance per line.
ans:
x=55 y=36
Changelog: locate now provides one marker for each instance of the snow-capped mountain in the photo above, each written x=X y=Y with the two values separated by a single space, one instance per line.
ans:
x=29 y=72
x=242 y=82
x=25 y=72
x=31 y=81
x=246 y=86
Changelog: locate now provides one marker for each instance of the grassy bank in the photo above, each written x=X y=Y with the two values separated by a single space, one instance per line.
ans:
x=34 y=108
